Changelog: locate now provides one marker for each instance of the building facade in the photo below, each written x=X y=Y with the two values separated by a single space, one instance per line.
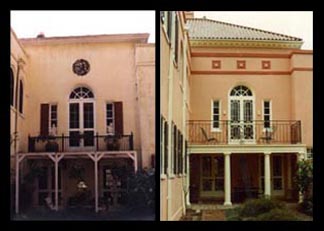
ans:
x=83 y=114
x=248 y=111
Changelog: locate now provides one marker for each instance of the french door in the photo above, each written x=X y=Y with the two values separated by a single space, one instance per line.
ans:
x=81 y=124
x=212 y=176
x=241 y=120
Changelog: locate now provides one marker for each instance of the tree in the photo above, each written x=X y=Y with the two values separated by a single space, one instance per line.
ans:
x=304 y=177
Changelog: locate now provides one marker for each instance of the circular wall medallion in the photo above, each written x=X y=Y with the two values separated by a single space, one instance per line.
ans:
x=81 y=67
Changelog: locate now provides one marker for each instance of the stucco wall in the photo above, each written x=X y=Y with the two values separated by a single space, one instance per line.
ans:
x=145 y=82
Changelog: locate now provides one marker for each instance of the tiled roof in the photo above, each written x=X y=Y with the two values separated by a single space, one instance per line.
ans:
x=207 y=29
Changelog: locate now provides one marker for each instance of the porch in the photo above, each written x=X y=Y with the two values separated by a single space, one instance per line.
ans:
x=54 y=152
x=226 y=174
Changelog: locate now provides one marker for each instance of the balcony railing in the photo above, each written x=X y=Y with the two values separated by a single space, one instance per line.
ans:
x=244 y=132
x=80 y=142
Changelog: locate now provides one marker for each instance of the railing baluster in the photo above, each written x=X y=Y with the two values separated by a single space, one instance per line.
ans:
x=62 y=142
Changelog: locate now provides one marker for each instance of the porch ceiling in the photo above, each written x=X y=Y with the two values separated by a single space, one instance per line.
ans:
x=237 y=149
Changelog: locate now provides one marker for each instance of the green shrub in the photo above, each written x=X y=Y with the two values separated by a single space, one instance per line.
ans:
x=141 y=189
x=255 y=207
x=277 y=215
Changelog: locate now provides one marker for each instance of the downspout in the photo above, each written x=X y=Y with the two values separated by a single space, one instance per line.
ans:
x=19 y=62
x=184 y=105
x=170 y=112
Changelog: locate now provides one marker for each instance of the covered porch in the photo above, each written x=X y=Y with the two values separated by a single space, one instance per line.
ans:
x=228 y=174
x=57 y=183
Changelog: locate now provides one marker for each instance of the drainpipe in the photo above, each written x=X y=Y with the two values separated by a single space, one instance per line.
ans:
x=184 y=105
x=20 y=63
x=170 y=112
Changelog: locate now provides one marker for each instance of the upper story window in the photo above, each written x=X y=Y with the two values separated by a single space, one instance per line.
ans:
x=81 y=93
x=215 y=114
x=110 y=118
x=21 y=96
x=176 y=39
x=241 y=91
x=166 y=18
x=12 y=84
x=53 y=119
x=81 y=67
x=266 y=113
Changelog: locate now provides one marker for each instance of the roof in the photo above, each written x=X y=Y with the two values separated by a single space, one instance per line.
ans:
x=207 y=29
x=105 y=38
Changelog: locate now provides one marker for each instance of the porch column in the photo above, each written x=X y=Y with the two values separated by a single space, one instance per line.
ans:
x=18 y=160
x=301 y=156
x=17 y=185
x=188 y=180
x=267 y=174
x=57 y=160
x=227 y=179
x=96 y=182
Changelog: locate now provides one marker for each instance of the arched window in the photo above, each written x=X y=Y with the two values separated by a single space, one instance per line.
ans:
x=12 y=84
x=81 y=93
x=21 y=96
x=241 y=91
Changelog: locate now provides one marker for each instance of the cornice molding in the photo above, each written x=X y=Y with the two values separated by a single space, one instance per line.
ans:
x=247 y=43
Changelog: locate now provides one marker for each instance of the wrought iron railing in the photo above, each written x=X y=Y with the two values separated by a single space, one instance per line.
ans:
x=244 y=132
x=80 y=142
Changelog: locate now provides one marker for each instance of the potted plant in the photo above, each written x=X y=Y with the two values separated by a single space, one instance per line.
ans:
x=112 y=142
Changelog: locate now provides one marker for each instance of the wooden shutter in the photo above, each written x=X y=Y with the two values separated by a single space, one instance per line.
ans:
x=44 y=116
x=119 y=124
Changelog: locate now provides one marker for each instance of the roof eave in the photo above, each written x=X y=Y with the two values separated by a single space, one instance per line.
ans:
x=246 y=43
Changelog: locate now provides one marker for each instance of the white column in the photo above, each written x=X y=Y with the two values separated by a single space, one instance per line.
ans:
x=56 y=184
x=300 y=157
x=96 y=182
x=188 y=180
x=267 y=175
x=227 y=179
x=17 y=185
x=288 y=158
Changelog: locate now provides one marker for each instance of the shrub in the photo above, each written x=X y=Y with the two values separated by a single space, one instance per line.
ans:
x=141 y=189
x=304 y=177
x=277 y=215
x=255 y=207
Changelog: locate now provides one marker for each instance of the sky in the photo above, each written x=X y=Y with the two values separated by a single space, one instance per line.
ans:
x=294 y=23
x=28 y=24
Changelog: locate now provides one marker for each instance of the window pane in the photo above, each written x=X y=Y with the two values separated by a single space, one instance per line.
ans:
x=88 y=115
x=206 y=165
x=88 y=138
x=277 y=184
x=74 y=139
x=266 y=104
x=207 y=185
x=277 y=164
x=74 y=115
x=42 y=179
x=219 y=184
x=267 y=111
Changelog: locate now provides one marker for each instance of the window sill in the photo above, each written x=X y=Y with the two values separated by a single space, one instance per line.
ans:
x=216 y=130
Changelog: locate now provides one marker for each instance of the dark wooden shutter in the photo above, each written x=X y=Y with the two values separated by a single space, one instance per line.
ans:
x=119 y=124
x=44 y=116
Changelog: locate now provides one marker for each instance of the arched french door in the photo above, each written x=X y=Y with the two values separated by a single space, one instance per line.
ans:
x=81 y=119
x=241 y=115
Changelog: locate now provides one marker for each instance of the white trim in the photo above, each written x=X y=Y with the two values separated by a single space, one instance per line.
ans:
x=241 y=98
x=270 y=114
x=113 y=115
x=247 y=148
x=81 y=128
x=212 y=129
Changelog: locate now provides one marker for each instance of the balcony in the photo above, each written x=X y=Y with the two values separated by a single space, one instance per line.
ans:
x=80 y=142
x=244 y=132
